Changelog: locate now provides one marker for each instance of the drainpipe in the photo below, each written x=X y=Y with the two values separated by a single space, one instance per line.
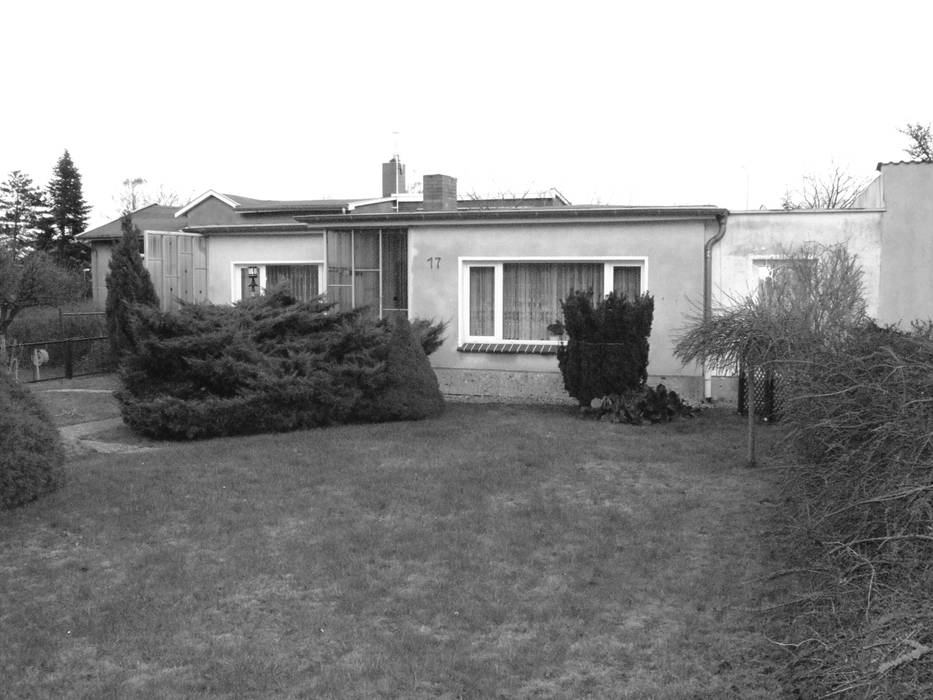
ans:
x=708 y=291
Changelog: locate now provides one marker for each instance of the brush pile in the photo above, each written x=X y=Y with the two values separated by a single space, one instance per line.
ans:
x=862 y=421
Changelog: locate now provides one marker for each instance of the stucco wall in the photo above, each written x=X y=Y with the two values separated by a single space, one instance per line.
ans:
x=907 y=257
x=767 y=234
x=674 y=276
x=226 y=251
x=101 y=252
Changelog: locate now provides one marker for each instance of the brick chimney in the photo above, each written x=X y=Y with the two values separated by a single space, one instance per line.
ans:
x=393 y=177
x=440 y=193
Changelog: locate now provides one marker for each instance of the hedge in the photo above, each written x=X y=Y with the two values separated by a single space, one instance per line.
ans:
x=270 y=364
x=31 y=455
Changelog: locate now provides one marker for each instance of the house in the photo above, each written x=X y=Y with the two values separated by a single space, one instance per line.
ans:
x=496 y=269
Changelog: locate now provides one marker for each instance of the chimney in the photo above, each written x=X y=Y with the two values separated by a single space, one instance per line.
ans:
x=393 y=177
x=440 y=193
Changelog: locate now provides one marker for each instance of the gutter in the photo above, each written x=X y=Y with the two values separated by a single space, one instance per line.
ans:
x=708 y=291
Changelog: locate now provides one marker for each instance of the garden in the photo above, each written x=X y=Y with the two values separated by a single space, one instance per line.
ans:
x=382 y=544
x=493 y=551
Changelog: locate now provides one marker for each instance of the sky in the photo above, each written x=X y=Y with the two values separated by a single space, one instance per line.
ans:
x=660 y=103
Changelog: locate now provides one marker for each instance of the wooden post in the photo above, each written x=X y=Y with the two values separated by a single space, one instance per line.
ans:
x=750 y=405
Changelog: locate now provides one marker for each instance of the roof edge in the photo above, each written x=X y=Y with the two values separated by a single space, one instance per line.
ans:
x=207 y=195
x=517 y=215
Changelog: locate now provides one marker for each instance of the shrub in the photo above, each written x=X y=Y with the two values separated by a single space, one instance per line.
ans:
x=607 y=350
x=409 y=390
x=652 y=404
x=430 y=334
x=267 y=364
x=128 y=283
x=860 y=417
x=31 y=455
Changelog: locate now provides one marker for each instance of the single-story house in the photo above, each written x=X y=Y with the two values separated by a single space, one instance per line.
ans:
x=496 y=269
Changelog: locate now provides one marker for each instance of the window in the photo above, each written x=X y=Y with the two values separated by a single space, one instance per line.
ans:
x=368 y=268
x=783 y=279
x=301 y=279
x=516 y=301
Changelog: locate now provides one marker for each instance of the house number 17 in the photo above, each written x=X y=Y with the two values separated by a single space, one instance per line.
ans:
x=434 y=263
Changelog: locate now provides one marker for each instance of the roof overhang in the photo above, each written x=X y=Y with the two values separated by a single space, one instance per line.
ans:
x=549 y=215
x=242 y=229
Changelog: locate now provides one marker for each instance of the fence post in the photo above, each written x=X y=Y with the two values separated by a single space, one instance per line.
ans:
x=750 y=398
x=69 y=363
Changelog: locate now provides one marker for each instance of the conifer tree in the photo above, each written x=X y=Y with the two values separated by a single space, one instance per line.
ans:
x=68 y=215
x=128 y=283
x=22 y=209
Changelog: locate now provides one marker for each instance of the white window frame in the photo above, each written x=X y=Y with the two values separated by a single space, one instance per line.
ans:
x=236 y=268
x=463 y=270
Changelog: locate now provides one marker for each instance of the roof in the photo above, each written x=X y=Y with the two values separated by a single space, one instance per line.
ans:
x=152 y=217
x=248 y=203
x=550 y=214
x=251 y=205
x=903 y=162
x=259 y=227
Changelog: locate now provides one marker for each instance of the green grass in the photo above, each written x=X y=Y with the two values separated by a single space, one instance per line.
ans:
x=495 y=552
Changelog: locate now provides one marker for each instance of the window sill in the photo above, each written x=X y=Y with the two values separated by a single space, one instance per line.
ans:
x=510 y=348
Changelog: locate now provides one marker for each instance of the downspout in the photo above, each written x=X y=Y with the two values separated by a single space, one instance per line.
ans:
x=708 y=292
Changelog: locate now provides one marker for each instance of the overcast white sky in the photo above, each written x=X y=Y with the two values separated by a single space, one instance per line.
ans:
x=721 y=103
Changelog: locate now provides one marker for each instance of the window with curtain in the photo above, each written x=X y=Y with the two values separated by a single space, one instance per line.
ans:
x=482 y=301
x=532 y=292
x=517 y=301
x=302 y=280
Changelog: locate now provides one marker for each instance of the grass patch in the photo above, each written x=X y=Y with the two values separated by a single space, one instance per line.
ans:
x=494 y=552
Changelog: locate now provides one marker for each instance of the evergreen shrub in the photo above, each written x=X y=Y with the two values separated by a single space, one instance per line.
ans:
x=128 y=283
x=607 y=350
x=267 y=364
x=31 y=455
x=409 y=390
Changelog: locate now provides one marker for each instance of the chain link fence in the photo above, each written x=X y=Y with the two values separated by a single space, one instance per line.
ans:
x=82 y=348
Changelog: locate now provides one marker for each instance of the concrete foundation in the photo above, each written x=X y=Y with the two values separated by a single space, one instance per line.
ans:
x=536 y=387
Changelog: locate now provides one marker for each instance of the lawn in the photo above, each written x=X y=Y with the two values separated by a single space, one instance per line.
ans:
x=497 y=551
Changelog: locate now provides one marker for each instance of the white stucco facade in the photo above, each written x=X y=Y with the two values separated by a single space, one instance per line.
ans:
x=753 y=237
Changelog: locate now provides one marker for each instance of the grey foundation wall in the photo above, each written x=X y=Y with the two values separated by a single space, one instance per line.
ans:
x=535 y=387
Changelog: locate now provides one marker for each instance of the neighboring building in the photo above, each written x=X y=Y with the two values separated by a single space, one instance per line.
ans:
x=496 y=269
x=103 y=238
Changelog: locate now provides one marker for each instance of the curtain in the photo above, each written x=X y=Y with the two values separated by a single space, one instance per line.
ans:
x=394 y=271
x=627 y=280
x=339 y=257
x=366 y=292
x=532 y=292
x=482 y=301
x=301 y=279
x=366 y=250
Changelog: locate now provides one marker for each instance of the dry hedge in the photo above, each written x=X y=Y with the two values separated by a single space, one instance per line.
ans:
x=862 y=420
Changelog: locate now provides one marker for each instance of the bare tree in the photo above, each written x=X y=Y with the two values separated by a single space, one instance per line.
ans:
x=837 y=189
x=136 y=194
x=921 y=146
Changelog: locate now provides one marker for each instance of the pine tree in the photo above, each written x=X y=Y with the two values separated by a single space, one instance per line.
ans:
x=68 y=215
x=127 y=283
x=22 y=210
